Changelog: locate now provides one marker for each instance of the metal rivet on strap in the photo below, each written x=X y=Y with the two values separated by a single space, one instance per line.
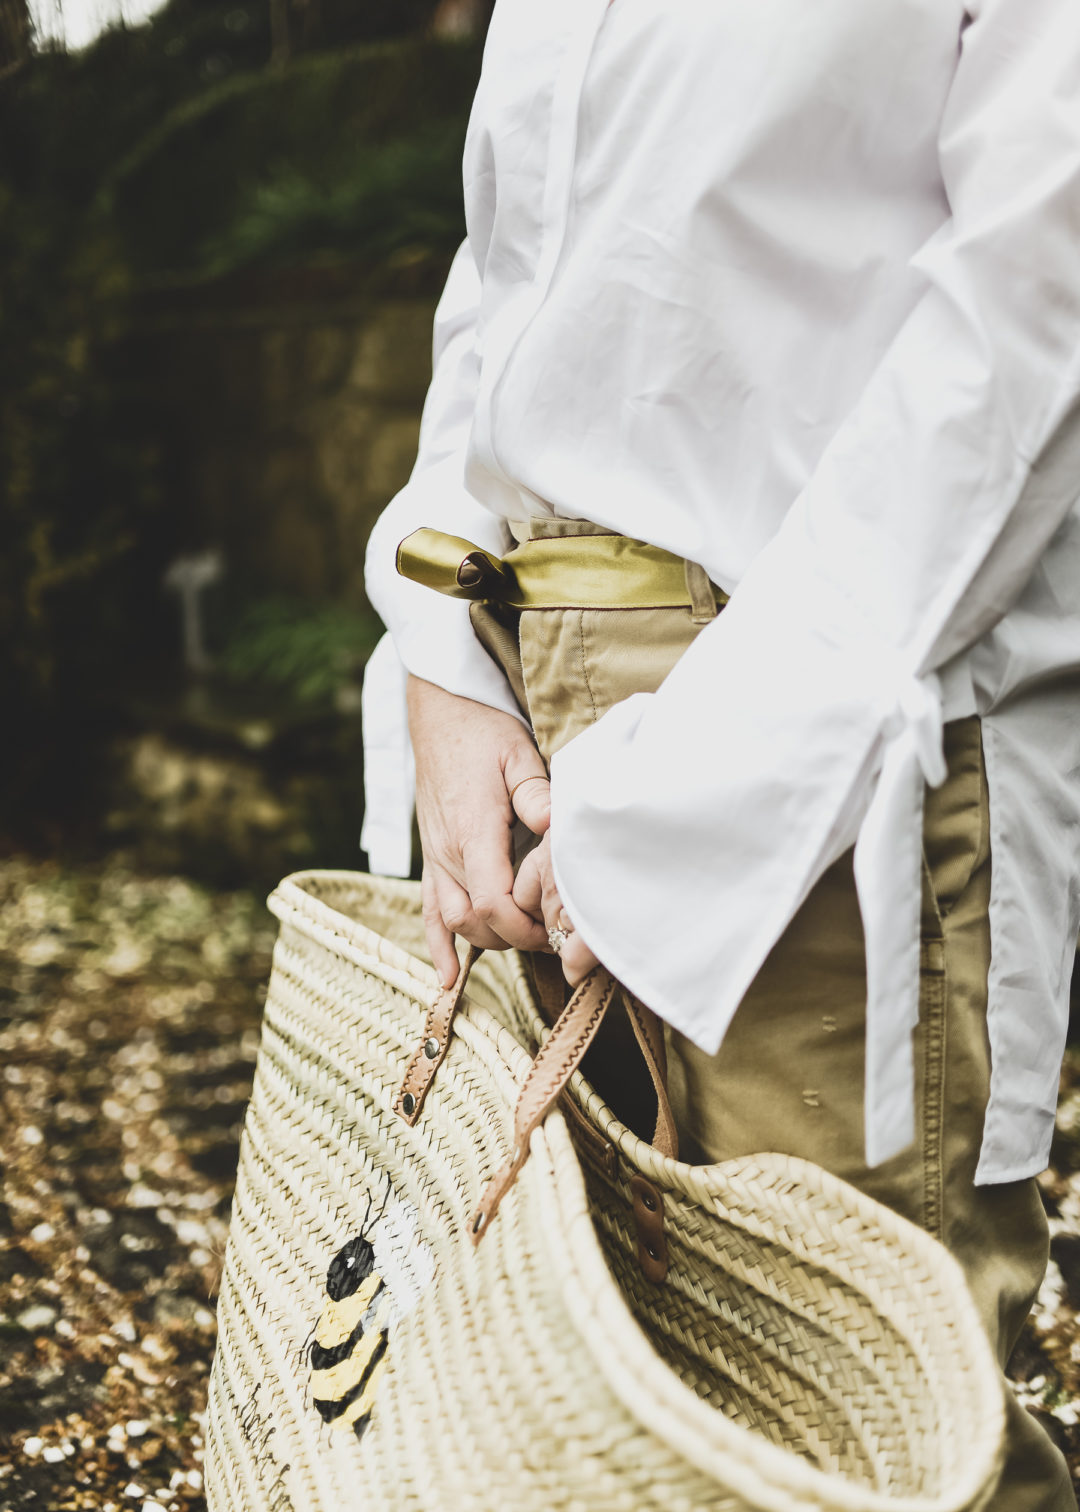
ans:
x=408 y=1104
x=431 y=1048
x=648 y=1201
x=478 y=1221
x=653 y=1254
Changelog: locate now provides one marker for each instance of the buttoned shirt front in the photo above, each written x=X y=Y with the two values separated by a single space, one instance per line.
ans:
x=794 y=292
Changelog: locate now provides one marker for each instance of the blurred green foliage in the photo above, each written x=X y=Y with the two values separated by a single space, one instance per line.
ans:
x=172 y=153
x=378 y=203
x=343 y=155
x=310 y=651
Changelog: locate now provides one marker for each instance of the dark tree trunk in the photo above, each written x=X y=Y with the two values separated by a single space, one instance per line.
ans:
x=311 y=23
x=280 y=31
x=15 y=32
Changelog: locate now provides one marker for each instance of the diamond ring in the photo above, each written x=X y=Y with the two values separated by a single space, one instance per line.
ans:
x=557 y=938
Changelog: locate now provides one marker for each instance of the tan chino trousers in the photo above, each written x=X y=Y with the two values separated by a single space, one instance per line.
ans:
x=789 y=1074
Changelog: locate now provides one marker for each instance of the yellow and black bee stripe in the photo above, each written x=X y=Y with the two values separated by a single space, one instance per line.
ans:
x=348 y=1353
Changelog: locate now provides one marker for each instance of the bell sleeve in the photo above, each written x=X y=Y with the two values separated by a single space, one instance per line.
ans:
x=427 y=634
x=689 y=825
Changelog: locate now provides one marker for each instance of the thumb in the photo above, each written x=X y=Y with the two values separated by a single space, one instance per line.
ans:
x=527 y=784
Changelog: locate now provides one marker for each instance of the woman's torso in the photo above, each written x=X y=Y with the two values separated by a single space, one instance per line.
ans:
x=695 y=225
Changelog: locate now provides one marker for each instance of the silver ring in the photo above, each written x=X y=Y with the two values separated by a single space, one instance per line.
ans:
x=557 y=938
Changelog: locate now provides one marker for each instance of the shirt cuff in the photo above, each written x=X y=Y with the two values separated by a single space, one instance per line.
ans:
x=689 y=825
x=432 y=633
x=389 y=772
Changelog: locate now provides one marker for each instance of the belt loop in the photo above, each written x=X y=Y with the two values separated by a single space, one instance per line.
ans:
x=700 y=590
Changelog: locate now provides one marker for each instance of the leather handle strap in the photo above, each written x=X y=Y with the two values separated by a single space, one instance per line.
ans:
x=431 y=1051
x=650 y=1037
x=548 y=982
x=550 y=986
x=558 y=1058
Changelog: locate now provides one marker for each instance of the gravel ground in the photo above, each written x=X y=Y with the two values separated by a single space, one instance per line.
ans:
x=129 y=1009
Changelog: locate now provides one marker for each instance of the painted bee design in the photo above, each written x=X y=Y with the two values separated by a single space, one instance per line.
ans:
x=373 y=1283
x=348 y=1353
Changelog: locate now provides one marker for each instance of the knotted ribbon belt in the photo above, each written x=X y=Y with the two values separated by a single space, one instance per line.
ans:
x=560 y=572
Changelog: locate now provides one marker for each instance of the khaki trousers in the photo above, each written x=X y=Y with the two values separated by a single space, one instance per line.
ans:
x=789 y=1075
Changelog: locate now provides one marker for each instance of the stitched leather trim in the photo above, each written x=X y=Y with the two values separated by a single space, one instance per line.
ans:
x=558 y=1058
x=437 y=1026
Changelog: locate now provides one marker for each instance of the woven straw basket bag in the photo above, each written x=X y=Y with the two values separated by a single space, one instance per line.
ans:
x=629 y=1332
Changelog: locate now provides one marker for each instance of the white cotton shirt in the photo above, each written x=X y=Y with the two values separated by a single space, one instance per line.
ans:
x=794 y=292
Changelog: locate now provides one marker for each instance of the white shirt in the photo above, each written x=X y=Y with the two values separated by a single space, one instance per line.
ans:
x=792 y=291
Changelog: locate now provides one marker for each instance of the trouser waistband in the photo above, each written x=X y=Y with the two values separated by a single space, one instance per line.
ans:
x=571 y=571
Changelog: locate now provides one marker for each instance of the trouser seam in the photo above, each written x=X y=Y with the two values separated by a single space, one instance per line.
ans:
x=935 y=1028
x=585 y=664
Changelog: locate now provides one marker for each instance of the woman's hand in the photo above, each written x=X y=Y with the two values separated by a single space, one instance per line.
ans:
x=469 y=758
x=536 y=894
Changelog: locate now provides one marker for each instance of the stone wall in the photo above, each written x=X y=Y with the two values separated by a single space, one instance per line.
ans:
x=289 y=416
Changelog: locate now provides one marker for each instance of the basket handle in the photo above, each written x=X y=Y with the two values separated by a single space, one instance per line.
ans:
x=650 y=1037
x=431 y=1051
x=550 y=985
x=556 y=1061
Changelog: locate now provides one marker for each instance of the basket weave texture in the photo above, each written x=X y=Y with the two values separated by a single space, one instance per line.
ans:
x=808 y=1349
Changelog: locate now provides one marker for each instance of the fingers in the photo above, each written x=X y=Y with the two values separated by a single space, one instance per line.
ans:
x=528 y=886
x=469 y=760
x=489 y=884
x=527 y=781
x=440 y=938
x=576 y=959
x=535 y=891
x=532 y=804
x=458 y=916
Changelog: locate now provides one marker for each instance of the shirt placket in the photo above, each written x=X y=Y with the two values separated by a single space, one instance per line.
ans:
x=582 y=21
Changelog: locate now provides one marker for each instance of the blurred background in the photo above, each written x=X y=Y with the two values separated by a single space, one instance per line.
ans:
x=222 y=233
x=224 y=225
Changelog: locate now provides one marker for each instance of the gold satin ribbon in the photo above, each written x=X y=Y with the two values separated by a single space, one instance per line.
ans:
x=558 y=572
